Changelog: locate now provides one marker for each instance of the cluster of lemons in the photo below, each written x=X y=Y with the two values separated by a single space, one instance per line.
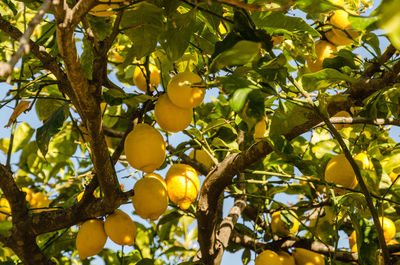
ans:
x=340 y=34
x=93 y=233
x=145 y=150
x=38 y=202
x=300 y=256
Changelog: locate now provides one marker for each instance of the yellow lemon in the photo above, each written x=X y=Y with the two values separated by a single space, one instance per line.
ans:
x=120 y=228
x=339 y=171
x=91 y=238
x=182 y=185
x=4 y=207
x=388 y=227
x=260 y=130
x=340 y=19
x=342 y=114
x=140 y=80
x=284 y=228
x=39 y=200
x=267 y=257
x=286 y=258
x=28 y=193
x=186 y=90
x=201 y=156
x=340 y=37
x=353 y=241
x=151 y=198
x=323 y=50
x=307 y=257
x=145 y=148
x=171 y=117
x=363 y=161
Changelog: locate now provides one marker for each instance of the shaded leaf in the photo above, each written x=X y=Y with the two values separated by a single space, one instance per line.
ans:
x=22 y=136
x=287 y=117
x=324 y=79
x=241 y=53
x=49 y=129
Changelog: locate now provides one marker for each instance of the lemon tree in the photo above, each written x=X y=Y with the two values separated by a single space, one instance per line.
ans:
x=174 y=132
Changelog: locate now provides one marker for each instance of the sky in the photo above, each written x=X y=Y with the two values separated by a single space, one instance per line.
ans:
x=228 y=258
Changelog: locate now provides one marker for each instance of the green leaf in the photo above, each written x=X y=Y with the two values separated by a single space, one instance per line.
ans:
x=287 y=117
x=50 y=128
x=11 y=5
x=102 y=27
x=363 y=23
x=172 y=216
x=315 y=7
x=277 y=21
x=390 y=21
x=5 y=228
x=87 y=58
x=112 y=115
x=372 y=40
x=146 y=262
x=343 y=58
x=4 y=145
x=241 y=53
x=239 y=98
x=178 y=34
x=142 y=25
x=324 y=79
x=22 y=136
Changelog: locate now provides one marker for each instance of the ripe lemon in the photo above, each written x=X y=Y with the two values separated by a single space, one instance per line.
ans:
x=307 y=257
x=4 y=207
x=140 y=80
x=339 y=171
x=182 y=185
x=39 y=200
x=91 y=238
x=388 y=227
x=323 y=50
x=267 y=257
x=260 y=130
x=29 y=193
x=282 y=228
x=186 y=90
x=286 y=258
x=201 y=156
x=145 y=148
x=340 y=37
x=171 y=117
x=340 y=19
x=353 y=241
x=120 y=228
x=151 y=198
x=342 y=114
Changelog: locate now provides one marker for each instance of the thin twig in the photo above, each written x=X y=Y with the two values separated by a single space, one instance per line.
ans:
x=24 y=47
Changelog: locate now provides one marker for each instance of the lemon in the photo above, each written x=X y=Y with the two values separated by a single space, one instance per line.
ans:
x=260 y=130
x=151 y=198
x=307 y=257
x=353 y=241
x=342 y=114
x=4 y=207
x=323 y=50
x=182 y=185
x=339 y=171
x=28 y=193
x=388 y=227
x=285 y=258
x=171 y=117
x=267 y=257
x=186 y=90
x=340 y=19
x=340 y=37
x=91 y=238
x=279 y=227
x=39 y=200
x=120 y=228
x=201 y=156
x=145 y=148
x=140 y=80
x=363 y=161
